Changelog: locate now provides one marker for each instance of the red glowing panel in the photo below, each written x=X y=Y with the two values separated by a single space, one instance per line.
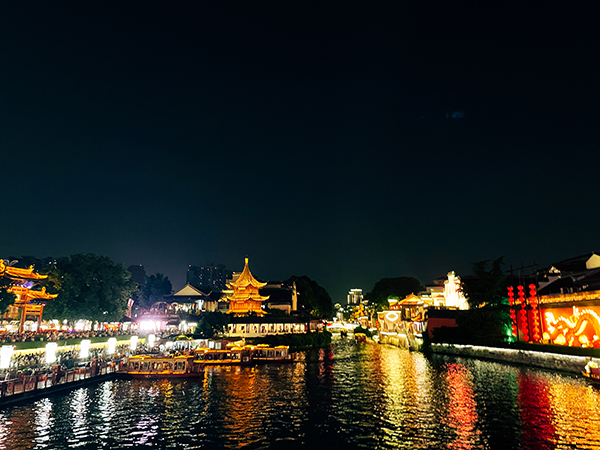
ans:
x=575 y=327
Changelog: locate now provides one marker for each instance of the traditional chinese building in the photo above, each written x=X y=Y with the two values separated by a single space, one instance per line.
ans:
x=563 y=307
x=245 y=298
x=29 y=302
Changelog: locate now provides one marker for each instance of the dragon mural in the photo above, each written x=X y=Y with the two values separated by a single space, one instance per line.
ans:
x=580 y=329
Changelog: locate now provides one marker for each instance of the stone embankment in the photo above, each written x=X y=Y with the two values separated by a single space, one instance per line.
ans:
x=550 y=361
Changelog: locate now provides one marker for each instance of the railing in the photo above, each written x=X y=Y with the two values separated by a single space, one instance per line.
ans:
x=41 y=381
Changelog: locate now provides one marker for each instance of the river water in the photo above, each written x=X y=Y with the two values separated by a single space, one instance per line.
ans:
x=349 y=396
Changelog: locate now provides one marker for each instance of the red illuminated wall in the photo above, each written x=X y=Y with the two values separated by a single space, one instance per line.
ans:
x=572 y=326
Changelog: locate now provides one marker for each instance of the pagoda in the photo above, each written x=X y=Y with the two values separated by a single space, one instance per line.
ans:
x=22 y=281
x=245 y=298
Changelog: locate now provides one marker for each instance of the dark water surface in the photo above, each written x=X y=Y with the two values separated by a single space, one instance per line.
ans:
x=370 y=396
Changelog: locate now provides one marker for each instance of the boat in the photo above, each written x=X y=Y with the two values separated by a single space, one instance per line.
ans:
x=591 y=371
x=161 y=366
x=218 y=357
x=191 y=365
x=262 y=353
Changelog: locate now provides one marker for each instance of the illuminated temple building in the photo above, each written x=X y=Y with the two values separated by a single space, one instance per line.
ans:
x=245 y=298
x=246 y=308
x=28 y=302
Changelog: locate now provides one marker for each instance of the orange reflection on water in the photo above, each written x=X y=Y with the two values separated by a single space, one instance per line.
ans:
x=576 y=414
x=462 y=415
x=406 y=386
x=244 y=397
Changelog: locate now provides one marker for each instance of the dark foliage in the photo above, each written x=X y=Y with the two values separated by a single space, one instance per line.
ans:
x=312 y=298
x=385 y=288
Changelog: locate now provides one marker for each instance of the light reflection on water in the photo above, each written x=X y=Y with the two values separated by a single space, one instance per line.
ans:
x=370 y=396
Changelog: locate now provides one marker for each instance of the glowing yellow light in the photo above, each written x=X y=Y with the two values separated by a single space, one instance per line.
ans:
x=51 y=352
x=112 y=346
x=392 y=316
x=5 y=356
x=133 y=344
x=84 y=349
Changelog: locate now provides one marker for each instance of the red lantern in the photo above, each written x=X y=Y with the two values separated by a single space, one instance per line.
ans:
x=513 y=315
x=523 y=312
x=535 y=328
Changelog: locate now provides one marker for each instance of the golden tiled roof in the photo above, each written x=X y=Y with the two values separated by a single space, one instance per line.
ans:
x=15 y=272
x=246 y=279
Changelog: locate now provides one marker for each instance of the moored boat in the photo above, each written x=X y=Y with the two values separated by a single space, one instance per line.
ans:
x=591 y=371
x=150 y=366
x=265 y=354
x=216 y=357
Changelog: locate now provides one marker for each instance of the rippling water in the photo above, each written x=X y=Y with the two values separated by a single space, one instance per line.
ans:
x=370 y=396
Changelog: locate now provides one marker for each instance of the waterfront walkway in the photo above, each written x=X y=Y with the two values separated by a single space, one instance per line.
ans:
x=27 y=387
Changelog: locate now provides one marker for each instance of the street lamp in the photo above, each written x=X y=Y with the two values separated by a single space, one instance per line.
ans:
x=51 y=352
x=5 y=355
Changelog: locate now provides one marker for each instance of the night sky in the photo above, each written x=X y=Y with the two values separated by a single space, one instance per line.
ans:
x=346 y=141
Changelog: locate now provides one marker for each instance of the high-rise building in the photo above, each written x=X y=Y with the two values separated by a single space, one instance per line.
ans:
x=209 y=276
x=355 y=297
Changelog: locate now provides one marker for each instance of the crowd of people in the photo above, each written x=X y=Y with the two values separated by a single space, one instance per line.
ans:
x=67 y=358
x=56 y=335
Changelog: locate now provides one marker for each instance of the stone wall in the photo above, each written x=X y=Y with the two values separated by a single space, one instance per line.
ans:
x=551 y=361
x=397 y=340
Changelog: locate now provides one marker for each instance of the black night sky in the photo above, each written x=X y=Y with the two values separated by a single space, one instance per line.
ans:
x=347 y=141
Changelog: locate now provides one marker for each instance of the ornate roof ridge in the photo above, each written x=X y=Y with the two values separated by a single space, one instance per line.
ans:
x=20 y=273
x=246 y=278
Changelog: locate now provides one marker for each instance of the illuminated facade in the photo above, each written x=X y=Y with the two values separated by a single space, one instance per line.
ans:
x=446 y=293
x=565 y=307
x=571 y=319
x=245 y=298
x=453 y=295
x=355 y=297
x=22 y=281
x=262 y=326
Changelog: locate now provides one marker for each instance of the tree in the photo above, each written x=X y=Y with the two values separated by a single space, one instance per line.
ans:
x=6 y=298
x=487 y=320
x=154 y=290
x=212 y=323
x=92 y=287
x=487 y=287
x=398 y=287
x=312 y=298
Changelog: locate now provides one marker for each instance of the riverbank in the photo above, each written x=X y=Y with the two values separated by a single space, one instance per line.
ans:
x=544 y=360
x=40 y=384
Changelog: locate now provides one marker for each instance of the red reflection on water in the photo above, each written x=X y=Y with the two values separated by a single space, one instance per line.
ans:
x=536 y=413
x=462 y=415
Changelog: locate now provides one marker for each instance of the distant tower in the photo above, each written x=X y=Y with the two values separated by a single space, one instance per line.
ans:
x=209 y=276
x=355 y=297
